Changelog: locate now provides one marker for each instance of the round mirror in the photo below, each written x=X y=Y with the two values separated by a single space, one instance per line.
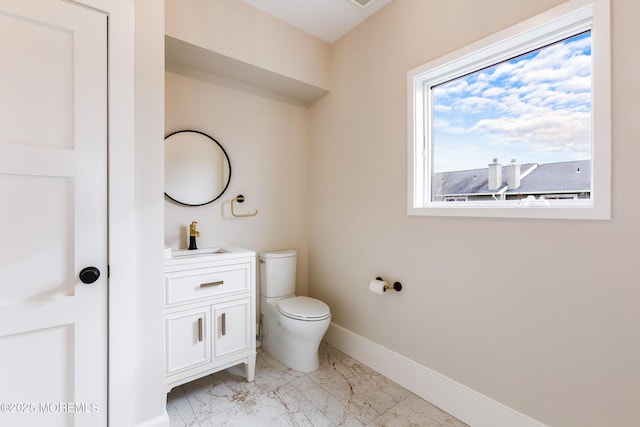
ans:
x=197 y=170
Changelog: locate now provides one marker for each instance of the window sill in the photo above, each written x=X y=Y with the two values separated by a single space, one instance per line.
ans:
x=582 y=209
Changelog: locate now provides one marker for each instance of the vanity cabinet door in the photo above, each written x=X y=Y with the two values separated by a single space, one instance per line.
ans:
x=232 y=328
x=188 y=340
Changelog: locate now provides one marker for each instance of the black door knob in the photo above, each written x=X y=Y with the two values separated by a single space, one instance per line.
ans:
x=89 y=274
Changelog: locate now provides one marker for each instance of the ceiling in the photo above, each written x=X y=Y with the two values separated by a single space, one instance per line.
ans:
x=326 y=19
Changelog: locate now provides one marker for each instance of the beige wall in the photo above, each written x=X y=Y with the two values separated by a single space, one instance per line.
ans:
x=267 y=141
x=541 y=315
x=234 y=29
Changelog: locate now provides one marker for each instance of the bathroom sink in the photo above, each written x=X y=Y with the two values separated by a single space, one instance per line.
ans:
x=197 y=252
x=215 y=253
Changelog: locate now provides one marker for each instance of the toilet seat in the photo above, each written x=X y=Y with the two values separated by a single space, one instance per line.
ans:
x=304 y=308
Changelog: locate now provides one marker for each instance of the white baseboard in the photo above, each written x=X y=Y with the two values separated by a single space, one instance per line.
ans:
x=161 y=421
x=466 y=404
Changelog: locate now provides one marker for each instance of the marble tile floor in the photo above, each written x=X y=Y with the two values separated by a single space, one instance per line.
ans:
x=342 y=392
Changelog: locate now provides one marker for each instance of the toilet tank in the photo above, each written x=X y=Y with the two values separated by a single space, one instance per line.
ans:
x=278 y=273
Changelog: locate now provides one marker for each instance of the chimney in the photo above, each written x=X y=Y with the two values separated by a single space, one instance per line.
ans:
x=495 y=175
x=513 y=175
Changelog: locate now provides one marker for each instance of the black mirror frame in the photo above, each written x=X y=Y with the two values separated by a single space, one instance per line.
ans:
x=225 y=155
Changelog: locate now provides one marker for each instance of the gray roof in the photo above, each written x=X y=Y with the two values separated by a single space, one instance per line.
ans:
x=562 y=177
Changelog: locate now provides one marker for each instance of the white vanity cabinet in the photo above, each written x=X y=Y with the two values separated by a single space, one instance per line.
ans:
x=210 y=305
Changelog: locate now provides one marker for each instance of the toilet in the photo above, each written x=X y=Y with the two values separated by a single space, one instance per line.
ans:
x=292 y=326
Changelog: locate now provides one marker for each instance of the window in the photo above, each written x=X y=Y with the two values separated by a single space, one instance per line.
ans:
x=518 y=124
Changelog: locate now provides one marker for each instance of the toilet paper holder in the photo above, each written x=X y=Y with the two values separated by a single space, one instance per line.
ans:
x=397 y=286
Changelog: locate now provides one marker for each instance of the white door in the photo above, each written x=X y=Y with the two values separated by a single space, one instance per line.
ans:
x=53 y=214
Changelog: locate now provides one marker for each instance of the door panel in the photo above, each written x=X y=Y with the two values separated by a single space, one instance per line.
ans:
x=54 y=275
x=52 y=85
x=54 y=361
x=53 y=223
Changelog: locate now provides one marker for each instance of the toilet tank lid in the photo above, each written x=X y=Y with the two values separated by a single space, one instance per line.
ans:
x=278 y=254
x=304 y=308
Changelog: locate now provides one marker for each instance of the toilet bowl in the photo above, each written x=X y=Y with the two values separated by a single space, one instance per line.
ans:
x=292 y=326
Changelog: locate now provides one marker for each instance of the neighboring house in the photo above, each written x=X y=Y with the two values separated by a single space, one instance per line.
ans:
x=563 y=180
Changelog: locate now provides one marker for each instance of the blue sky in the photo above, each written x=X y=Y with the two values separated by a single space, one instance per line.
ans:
x=534 y=108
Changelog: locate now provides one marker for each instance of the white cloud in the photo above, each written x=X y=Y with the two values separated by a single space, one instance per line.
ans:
x=446 y=127
x=493 y=91
x=545 y=131
x=442 y=108
x=576 y=84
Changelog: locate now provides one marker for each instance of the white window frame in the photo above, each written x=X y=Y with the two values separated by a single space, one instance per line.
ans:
x=562 y=21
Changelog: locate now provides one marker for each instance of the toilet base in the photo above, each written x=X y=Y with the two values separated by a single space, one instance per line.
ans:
x=294 y=343
x=300 y=362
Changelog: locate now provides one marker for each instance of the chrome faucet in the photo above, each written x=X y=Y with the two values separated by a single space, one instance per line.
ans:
x=193 y=233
